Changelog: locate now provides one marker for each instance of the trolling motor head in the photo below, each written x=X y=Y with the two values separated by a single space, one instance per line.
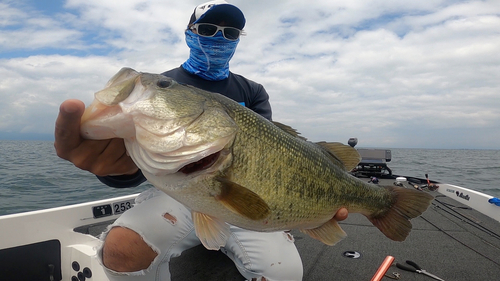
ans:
x=352 y=142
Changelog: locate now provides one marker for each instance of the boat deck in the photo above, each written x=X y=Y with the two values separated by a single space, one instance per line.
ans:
x=449 y=240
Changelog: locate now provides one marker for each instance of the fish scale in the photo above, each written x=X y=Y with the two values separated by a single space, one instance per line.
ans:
x=311 y=179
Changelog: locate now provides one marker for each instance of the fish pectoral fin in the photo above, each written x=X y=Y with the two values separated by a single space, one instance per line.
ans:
x=212 y=232
x=329 y=233
x=242 y=200
x=348 y=155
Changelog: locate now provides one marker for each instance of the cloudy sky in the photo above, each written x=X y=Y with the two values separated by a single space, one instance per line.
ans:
x=393 y=73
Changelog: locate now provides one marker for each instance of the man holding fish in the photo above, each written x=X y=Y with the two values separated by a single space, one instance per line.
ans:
x=139 y=245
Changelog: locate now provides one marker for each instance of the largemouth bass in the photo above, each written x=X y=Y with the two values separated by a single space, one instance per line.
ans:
x=230 y=165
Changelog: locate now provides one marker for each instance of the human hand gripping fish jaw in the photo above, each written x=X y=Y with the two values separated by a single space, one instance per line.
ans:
x=229 y=164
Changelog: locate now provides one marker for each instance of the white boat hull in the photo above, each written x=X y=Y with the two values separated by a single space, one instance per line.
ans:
x=471 y=198
x=59 y=224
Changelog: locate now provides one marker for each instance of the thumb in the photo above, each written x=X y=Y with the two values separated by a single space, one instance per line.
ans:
x=67 y=127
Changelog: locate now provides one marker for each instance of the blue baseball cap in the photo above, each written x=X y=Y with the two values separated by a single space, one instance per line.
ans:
x=215 y=12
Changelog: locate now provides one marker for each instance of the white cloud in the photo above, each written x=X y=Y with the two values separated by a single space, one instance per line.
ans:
x=392 y=73
x=23 y=28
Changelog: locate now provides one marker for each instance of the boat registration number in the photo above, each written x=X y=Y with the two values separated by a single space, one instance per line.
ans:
x=116 y=208
x=121 y=207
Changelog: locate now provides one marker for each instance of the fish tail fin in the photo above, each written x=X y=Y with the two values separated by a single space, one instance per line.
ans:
x=408 y=204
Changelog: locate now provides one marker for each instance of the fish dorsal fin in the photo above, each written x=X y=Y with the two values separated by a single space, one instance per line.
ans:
x=289 y=130
x=329 y=233
x=242 y=201
x=212 y=232
x=348 y=155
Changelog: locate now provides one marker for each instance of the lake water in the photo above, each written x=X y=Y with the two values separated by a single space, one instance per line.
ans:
x=32 y=177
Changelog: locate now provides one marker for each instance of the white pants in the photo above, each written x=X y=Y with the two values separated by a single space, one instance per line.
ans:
x=272 y=255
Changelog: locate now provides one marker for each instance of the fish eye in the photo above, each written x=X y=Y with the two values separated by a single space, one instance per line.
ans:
x=163 y=83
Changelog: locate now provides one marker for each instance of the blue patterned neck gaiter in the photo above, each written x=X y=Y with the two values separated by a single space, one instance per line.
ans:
x=209 y=57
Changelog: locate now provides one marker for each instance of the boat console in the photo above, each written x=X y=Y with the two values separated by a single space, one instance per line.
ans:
x=373 y=161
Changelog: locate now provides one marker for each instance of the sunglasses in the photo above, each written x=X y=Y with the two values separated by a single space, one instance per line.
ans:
x=209 y=30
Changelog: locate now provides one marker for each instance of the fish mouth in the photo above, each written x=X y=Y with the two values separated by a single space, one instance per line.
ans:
x=201 y=165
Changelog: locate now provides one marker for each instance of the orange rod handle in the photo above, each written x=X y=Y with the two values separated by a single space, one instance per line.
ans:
x=383 y=268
